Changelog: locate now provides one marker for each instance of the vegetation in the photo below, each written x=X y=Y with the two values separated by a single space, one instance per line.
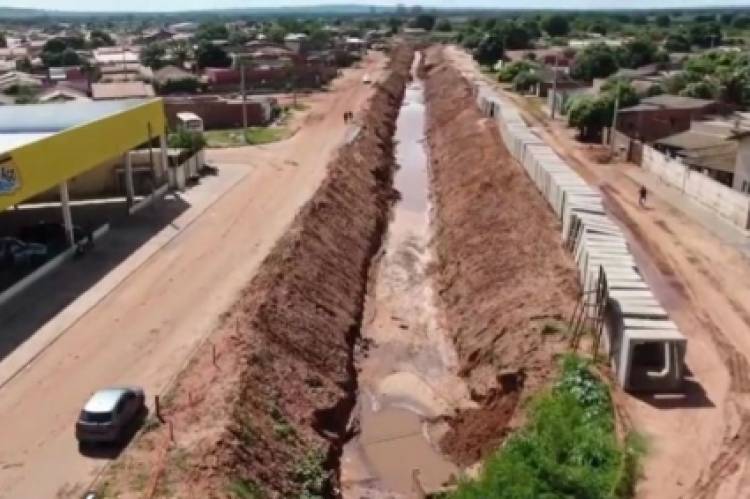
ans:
x=152 y=55
x=567 y=449
x=254 y=136
x=208 y=55
x=591 y=113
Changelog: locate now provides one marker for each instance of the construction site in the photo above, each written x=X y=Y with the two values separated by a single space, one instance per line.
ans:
x=374 y=307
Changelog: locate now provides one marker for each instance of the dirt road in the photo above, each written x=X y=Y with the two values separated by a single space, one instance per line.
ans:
x=699 y=444
x=144 y=331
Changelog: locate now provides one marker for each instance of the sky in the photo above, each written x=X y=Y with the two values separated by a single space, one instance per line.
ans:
x=175 y=5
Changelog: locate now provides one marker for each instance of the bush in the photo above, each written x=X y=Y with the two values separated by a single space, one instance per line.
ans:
x=525 y=80
x=511 y=70
x=568 y=449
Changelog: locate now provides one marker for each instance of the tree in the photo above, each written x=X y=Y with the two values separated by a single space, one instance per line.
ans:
x=705 y=35
x=180 y=54
x=276 y=33
x=3 y=41
x=655 y=89
x=663 y=20
x=489 y=50
x=394 y=25
x=152 y=55
x=444 y=25
x=209 y=55
x=211 y=31
x=595 y=61
x=525 y=80
x=511 y=70
x=514 y=37
x=598 y=27
x=99 y=38
x=700 y=90
x=69 y=57
x=591 y=113
x=741 y=22
x=639 y=52
x=556 y=25
x=470 y=39
x=183 y=86
x=424 y=21
x=532 y=28
x=55 y=45
x=677 y=42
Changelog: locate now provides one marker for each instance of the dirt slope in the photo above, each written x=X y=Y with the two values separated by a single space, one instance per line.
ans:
x=273 y=414
x=503 y=275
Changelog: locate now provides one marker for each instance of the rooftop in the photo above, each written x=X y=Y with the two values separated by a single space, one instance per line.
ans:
x=121 y=90
x=24 y=124
x=668 y=101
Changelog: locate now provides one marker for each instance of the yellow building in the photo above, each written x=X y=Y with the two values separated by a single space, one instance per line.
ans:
x=44 y=146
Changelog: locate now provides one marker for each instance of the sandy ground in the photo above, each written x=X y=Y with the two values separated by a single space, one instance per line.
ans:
x=699 y=444
x=144 y=331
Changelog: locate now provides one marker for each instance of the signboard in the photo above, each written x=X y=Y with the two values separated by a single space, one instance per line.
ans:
x=10 y=179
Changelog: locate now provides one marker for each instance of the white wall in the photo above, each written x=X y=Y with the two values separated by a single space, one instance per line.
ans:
x=723 y=200
x=742 y=166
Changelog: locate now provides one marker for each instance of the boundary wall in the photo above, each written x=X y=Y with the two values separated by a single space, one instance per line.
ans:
x=646 y=349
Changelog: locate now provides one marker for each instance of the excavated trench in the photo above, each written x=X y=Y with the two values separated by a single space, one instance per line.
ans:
x=407 y=365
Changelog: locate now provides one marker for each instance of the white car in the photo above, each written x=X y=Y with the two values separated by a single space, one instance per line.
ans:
x=366 y=79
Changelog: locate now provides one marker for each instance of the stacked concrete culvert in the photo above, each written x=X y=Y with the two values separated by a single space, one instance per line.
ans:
x=646 y=349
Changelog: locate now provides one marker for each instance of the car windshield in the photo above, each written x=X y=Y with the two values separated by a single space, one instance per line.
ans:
x=96 y=417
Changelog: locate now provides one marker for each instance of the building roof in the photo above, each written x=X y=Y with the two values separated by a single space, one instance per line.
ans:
x=110 y=56
x=706 y=145
x=168 y=73
x=647 y=70
x=62 y=94
x=691 y=139
x=18 y=78
x=121 y=90
x=668 y=101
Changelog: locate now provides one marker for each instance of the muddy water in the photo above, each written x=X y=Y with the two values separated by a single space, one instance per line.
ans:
x=407 y=364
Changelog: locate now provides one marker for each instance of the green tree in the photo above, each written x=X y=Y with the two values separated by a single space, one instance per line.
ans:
x=595 y=61
x=99 y=38
x=424 y=21
x=276 y=33
x=394 y=25
x=701 y=90
x=513 y=37
x=663 y=20
x=152 y=55
x=741 y=22
x=3 y=41
x=556 y=25
x=639 y=52
x=677 y=42
x=444 y=25
x=705 y=35
x=525 y=80
x=69 y=57
x=532 y=28
x=209 y=55
x=489 y=50
x=180 y=54
x=511 y=70
x=211 y=31
x=55 y=45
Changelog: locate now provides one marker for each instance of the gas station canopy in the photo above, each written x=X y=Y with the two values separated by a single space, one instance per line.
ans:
x=45 y=145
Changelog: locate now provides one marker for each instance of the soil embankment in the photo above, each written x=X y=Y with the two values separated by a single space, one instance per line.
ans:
x=265 y=406
x=503 y=277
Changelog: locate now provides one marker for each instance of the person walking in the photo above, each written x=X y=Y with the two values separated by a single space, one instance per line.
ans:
x=642 y=195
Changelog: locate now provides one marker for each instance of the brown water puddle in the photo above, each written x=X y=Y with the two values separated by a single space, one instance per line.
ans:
x=407 y=375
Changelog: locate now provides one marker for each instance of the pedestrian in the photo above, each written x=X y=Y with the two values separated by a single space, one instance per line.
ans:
x=346 y=117
x=642 y=195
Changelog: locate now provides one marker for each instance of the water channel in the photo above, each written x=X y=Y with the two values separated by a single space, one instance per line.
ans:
x=407 y=368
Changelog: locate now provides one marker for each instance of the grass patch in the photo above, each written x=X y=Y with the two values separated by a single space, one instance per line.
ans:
x=568 y=448
x=256 y=135
x=245 y=489
x=311 y=475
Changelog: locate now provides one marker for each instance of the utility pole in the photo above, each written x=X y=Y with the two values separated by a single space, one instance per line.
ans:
x=244 y=99
x=554 y=86
x=614 y=120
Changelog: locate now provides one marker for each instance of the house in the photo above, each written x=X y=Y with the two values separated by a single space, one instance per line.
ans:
x=664 y=115
x=550 y=77
x=157 y=35
x=185 y=27
x=172 y=73
x=121 y=90
x=551 y=56
x=219 y=112
x=105 y=56
x=61 y=93
x=296 y=42
x=707 y=146
x=16 y=79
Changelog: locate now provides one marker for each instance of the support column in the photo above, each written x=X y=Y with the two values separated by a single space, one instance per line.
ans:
x=164 y=158
x=67 y=216
x=129 y=186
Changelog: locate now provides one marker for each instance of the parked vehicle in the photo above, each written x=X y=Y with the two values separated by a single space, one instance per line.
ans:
x=51 y=234
x=109 y=413
x=16 y=252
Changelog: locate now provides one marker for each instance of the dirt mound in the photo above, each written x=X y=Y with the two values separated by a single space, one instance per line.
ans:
x=502 y=272
x=271 y=412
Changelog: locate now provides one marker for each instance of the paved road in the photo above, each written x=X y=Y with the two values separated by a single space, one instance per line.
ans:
x=144 y=330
